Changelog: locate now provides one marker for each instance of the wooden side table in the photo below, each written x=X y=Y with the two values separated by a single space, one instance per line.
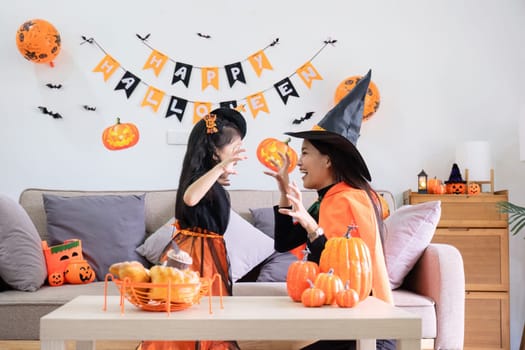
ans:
x=474 y=225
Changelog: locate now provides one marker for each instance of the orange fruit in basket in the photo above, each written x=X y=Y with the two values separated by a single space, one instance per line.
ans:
x=185 y=284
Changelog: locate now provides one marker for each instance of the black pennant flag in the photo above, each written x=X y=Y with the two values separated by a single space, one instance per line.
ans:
x=285 y=89
x=228 y=104
x=177 y=106
x=182 y=73
x=128 y=83
x=235 y=73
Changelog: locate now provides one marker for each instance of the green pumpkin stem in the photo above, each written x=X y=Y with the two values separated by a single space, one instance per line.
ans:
x=306 y=252
x=118 y=121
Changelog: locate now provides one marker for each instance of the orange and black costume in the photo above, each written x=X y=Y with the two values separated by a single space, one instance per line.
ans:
x=200 y=231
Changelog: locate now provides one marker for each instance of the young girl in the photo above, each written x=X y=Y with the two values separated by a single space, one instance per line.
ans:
x=332 y=165
x=203 y=205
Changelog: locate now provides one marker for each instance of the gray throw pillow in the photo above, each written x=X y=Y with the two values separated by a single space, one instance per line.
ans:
x=110 y=227
x=22 y=263
x=263 y=219
x=275 y=267
x=155 y=244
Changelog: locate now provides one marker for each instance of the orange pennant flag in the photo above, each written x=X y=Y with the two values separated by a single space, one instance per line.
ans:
x=107 y=66
x=257 y=103
x=308 y=73
x=259 y=61
x=153 y=98
x=210 y=76
x=156 y=61
x=200 y=109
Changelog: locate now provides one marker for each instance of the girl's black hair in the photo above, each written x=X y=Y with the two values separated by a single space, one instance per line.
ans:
x=201 y=154
x=344 y=171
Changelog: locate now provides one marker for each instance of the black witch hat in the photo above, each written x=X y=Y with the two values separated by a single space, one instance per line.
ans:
x=340 y=127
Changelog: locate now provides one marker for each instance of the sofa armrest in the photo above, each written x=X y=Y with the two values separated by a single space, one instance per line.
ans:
x=439 y=275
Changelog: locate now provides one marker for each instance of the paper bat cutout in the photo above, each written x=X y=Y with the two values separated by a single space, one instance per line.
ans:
x=51 y=113
x=88 y=108
x=87 y=40
x=275 y=42
x=307 y=116
x=205 y=36
x=330 y=41
x=143 y=38
x=54 y=86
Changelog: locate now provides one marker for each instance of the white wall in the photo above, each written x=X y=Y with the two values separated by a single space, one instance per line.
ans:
x=447 y=72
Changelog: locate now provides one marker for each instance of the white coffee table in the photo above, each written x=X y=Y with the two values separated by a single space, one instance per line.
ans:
x=242 y=318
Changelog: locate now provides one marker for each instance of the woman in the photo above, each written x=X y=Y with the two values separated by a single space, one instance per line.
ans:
x=333 y=166
x=203 y=205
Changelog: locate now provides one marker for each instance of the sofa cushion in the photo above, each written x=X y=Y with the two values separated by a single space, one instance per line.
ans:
x=154 y=245
x=409 y=230
x=275 y=267
x=263 y=219
x=22 y=263
x=110 y=227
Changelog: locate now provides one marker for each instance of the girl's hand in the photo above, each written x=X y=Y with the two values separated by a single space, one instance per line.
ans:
x=281 y=176
x=298 y=211
x=228 y=164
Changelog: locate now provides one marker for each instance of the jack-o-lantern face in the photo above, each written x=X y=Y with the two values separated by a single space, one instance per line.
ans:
x=59 y=256
x=456 y=188
x=268 y=152
x=79 y=272
x=473 y=188
x=120 y=136
x=56 y=279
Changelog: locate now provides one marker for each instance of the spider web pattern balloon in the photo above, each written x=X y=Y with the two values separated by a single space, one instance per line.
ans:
x=38 y=41
x=371 y=99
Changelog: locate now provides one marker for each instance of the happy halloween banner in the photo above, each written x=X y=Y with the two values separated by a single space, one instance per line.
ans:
x=209 y=75
x=177 y=105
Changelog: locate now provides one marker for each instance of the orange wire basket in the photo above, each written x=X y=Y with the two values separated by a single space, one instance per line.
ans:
x=165 y=297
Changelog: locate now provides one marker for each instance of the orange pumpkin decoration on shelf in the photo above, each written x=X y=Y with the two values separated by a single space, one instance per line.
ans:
x=120 y=136
x=78 y=271
x=473 y=188
x=371 y=99
x=38 y=41
x=299 y=272
x=436 y=186
x=268 y=152
x=349 y=257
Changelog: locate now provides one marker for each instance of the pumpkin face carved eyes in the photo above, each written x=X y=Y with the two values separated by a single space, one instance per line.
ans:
x=268 y=152
x=56 y=279
x=120 y=136
x=79 y=271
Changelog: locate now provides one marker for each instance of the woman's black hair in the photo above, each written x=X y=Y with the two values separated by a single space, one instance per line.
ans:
x=201 y=154
x=344 y=171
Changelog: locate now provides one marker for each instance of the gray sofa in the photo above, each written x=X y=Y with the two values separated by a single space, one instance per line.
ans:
x=434 y=289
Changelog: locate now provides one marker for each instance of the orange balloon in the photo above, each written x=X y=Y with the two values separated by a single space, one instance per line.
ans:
x=38 y=41
x=371 y=99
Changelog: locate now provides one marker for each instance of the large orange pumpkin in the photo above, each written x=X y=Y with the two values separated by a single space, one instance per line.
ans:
x=78 y=271
x=38 y=41
x=349 y=257
x=120 y=136
x=371 y=99
x=268 y=151
x=299 y=272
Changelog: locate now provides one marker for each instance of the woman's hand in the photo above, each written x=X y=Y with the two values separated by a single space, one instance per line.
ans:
x=298 y=211
x=281 y=176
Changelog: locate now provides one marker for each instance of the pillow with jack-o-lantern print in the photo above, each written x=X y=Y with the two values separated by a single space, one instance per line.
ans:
x=22 y=264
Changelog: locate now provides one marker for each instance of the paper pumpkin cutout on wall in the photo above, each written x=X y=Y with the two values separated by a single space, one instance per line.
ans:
x=38 y=41
x=372 y=98
x=120 y=136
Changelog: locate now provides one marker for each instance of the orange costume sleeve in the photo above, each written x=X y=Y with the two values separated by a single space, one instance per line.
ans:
x=342 y=206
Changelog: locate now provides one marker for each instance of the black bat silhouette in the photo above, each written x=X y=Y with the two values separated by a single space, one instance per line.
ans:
x=88 y=108
x=307 y=116
x=87 y=40
x=143 y=38
x=205 y=36
x=330 y=41
x=51 y=113
x=54 y=86
x=275 y=42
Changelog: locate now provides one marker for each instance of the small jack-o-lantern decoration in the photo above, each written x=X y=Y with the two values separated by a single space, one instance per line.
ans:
x=268 y=153
x=455 y=183
x=473 y=188
x=120 y=136
x=78 y=271
x=371 y=99
x=38 y=41
x=56 y=279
